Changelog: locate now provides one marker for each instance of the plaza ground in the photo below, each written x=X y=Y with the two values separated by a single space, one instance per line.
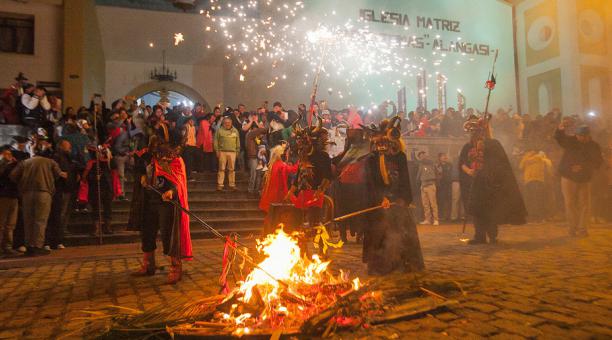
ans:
x=536 y=283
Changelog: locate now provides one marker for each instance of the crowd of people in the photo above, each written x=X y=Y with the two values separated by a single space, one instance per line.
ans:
x=80 y=158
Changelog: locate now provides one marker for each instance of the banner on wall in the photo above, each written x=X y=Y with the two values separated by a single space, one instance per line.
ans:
x=454 y=40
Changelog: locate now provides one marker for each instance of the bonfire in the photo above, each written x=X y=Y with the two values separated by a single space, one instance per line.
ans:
x=286 y=293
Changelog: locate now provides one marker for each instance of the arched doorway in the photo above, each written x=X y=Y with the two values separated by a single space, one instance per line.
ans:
x=180 y=90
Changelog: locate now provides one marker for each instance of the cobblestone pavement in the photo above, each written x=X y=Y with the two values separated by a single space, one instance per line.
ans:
x=536 y=283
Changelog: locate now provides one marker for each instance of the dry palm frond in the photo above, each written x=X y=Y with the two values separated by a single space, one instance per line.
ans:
x=122 y=319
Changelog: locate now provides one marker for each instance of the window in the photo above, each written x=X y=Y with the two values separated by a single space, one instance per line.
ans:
x=16 y=33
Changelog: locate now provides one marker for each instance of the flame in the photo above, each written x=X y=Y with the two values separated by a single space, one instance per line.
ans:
x=286 y=287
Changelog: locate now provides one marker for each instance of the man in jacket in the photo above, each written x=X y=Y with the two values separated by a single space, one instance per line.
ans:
x=9 y=206
x=427 y=176
x=63 y=196
x=35 y=178
x=581 y=157
x=227 y=146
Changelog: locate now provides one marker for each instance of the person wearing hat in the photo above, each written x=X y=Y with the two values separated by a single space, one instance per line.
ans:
x=33 y=104
x=581 y=157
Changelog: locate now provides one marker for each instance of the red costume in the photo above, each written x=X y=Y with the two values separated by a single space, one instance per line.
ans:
x=205 y=136
x=177 y=177
x=276 y=189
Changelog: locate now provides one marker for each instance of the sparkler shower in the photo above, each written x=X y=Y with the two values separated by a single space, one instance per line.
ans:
x=378 y=51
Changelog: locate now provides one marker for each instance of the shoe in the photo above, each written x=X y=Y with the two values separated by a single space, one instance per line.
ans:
x=60 y=246
x=33 y=251
x=22 y=249
x=493 y=241
x=219 y=188
x=436 y=223
x=85 y=210
x=425 y=222
x=148 y=267
x=47 y=248
x=233 y=189
x=473 y=242
x=176 y=271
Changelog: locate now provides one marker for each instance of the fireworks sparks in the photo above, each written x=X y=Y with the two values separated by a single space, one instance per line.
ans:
x=277 y=37
x=178 y=38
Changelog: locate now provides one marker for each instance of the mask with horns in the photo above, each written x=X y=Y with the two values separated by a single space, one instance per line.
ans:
x=386 y=137
x=310 y=139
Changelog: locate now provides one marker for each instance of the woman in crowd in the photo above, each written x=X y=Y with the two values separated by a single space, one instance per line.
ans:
x=275 y=180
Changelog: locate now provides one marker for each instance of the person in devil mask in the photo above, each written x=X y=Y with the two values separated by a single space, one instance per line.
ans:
x=166 y=181
x=488 y=186
x=390 y=242
x=314 y=174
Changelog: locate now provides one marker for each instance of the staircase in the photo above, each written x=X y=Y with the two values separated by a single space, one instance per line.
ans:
x=225 y=211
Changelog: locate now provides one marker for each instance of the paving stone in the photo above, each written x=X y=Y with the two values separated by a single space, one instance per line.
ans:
x=530 y=285
x=513 y=327
x=564 y=319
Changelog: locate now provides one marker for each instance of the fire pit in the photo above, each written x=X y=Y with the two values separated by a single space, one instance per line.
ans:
x=285 y=294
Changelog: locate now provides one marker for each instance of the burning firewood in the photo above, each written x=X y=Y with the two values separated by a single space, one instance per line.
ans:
x=285 y=293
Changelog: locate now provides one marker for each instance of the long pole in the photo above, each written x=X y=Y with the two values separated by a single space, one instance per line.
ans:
x=234 y=244
x=98 y=175
x=486 y=111
x=315 y=85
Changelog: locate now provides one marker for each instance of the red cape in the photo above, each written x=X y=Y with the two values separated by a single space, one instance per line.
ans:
x=277 y=187
x=178 y=177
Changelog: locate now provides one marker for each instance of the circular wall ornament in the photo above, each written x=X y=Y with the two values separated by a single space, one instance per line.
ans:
x=541 y=33
x=591 y=26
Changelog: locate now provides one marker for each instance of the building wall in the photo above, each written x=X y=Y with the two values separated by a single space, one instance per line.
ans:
x=564 y=50
x=124 y=76
x=46 y=63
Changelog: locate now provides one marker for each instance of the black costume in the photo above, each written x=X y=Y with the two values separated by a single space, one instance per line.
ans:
x=391 y=241
x=159 y=215
x=492 y=196
x=350 y=191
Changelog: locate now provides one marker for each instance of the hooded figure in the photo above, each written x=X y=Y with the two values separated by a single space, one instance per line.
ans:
x=391 y=241
x=351 y=192
x=166 y=174
x=314 y=173
x=488 y=186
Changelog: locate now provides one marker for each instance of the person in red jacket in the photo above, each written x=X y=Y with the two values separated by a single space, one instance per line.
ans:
x=275 y=186
x=204 y=142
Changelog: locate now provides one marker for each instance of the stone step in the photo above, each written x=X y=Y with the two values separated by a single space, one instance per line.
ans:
x=212 y=203
x=194 y=186
x=134 y=236
x=122 y=214
x=221 y=224
x=199 y=194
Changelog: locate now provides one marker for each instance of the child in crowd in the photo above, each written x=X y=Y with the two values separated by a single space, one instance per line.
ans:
x=262 y=164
